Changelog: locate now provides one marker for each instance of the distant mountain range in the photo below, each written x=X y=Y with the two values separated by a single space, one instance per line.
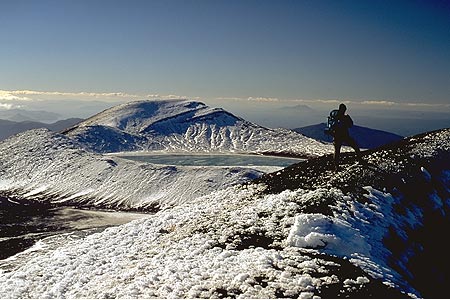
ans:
x=366 y=138
x=9 y=128
x=180 y=125
x=20 y=115
x=186 y=126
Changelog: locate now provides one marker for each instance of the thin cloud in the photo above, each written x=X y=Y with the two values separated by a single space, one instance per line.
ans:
x=169 y=97
x=406 y=105
x=31 y=95
x=230 y=99
x=321 y=101
x=70 y=94
x=372 y=103
x=379 y=102
x=366 y=103
x=22 y=95
x=263 y=99
x=427 y=105
x=256 y=99
x=8 y=96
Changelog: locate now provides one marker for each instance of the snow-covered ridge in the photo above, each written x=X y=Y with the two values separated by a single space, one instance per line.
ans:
x=301 y=232
x=182 y=125
x=39 y=164
x=135 y=117
x=394 y=205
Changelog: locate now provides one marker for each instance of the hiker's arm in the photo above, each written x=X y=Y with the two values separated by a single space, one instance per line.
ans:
x=349 y=121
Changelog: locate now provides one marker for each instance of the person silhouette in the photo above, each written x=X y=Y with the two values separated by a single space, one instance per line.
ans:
x=341 y=135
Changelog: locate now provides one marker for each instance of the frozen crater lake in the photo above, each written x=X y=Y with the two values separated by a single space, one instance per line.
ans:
x=241 y=160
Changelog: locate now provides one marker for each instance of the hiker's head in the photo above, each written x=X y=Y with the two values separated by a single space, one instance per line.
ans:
x=342 y=108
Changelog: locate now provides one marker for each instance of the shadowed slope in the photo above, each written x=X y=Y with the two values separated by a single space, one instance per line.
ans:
x=415 y=171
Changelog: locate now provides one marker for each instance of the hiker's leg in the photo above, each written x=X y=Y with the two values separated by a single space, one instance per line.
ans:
x=352 y=143
x=337 y=152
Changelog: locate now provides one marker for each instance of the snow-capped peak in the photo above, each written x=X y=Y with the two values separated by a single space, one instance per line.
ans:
x=136 y=116
x=183 y=125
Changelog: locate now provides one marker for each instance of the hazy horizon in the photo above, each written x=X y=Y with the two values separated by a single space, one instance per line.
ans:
x=400 y=119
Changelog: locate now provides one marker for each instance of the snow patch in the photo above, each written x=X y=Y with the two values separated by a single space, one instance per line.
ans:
x=329 y=234
x=6 y=184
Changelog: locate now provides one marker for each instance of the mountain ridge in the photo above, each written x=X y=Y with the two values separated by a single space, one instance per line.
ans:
x=21 y=115
x=186 y=126
x=9 y=128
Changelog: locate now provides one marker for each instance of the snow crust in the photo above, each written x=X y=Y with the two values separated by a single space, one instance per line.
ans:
x=188 y=251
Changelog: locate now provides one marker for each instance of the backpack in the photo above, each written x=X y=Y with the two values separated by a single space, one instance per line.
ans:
x=332 y=121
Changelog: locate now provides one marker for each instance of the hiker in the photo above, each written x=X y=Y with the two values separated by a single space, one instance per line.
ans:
x=339 y=131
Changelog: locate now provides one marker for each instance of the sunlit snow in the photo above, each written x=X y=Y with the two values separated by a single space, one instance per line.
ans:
x=186 y=126
x=207 y=236
x=53 y=167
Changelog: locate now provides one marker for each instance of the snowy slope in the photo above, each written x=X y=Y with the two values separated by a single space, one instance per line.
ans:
x=181 y=125
x=368 y=231
x=398 y=202
x=42 y=165
x=213 y=247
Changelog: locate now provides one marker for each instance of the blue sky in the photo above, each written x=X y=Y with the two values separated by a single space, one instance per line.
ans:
x=357 y=51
